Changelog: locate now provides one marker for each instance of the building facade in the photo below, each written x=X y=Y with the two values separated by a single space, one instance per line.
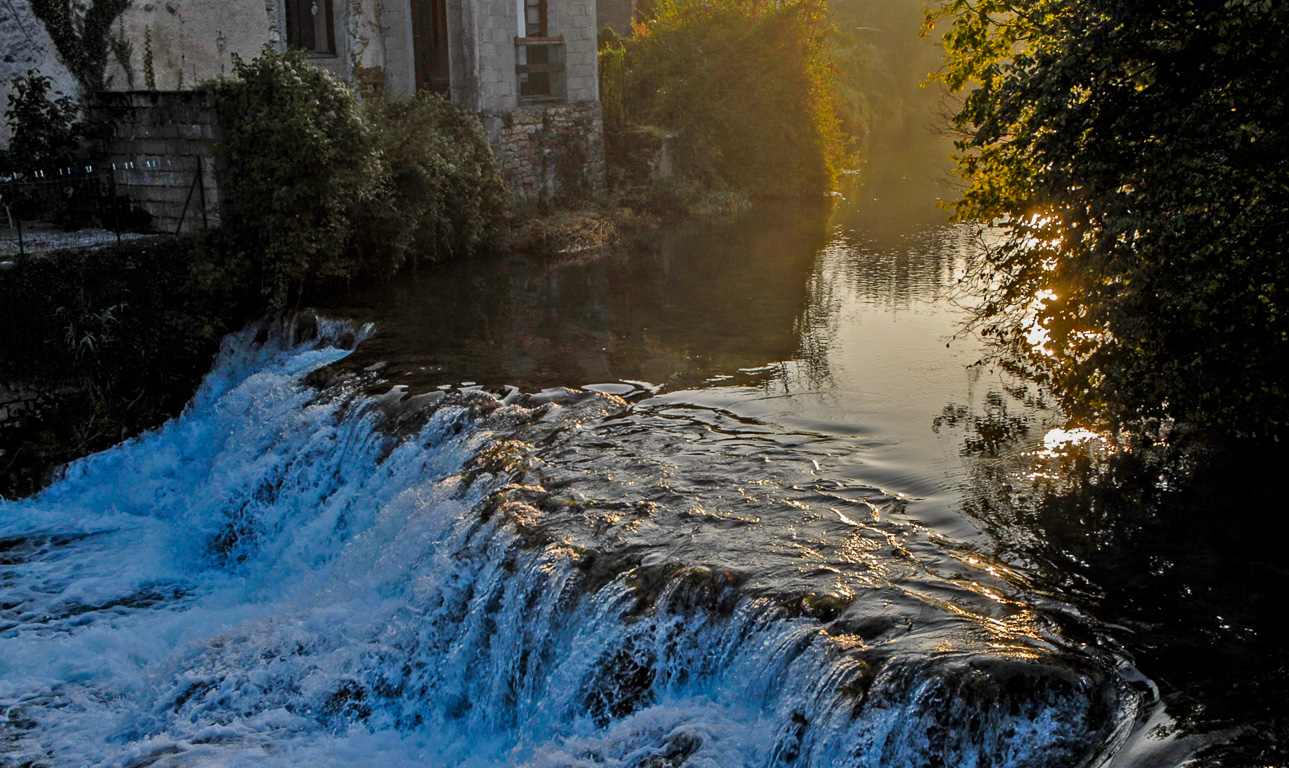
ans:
x=528 y=67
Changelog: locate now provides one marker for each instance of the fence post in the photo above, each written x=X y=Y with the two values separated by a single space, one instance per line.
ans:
x=188 y=201
x=111 y=196
x=201 y=191
x=17 y=221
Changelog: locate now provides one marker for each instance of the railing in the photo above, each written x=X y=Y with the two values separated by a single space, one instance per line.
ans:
x=86 y=206
x=539 y=66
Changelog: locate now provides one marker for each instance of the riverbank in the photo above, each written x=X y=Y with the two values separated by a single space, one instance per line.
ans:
x=589 y=225
x=100 y=345
x=104 y=344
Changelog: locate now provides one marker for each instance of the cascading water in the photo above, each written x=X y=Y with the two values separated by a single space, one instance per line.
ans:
x=294 y=572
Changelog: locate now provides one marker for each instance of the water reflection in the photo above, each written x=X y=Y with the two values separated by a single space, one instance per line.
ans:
x=700 y=301
x=1181 y=555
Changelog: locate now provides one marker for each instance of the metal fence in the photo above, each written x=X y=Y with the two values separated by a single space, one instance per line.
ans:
x=86 y=206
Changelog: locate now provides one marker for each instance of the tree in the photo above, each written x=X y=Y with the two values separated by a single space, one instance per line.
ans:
x=751 y=86
x=1136 y=159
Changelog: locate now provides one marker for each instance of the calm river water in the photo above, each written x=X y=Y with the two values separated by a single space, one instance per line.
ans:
x=733 y=498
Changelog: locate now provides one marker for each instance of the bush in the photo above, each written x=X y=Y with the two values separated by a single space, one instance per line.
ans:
x=301 y=161
x=749 y=85
x=443 y=193
x=125 y=317
x=45 y=131
x=323 y=190
x=612 y=59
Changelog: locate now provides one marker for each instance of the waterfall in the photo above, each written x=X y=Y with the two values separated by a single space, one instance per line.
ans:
x=295 y=572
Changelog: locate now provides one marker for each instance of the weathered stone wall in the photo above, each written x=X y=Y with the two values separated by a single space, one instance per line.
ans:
x=549 y=153
x=496 y=26
x=159 y=140
x=195 y=40
x=25 y=45
x=493 y=26
x=575 y=20
x=21 y=405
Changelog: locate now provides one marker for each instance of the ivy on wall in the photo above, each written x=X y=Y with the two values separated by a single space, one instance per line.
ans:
x=83 y=37
x=123 y=52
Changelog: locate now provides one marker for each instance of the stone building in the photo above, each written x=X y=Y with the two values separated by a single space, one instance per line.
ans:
x=528 y=67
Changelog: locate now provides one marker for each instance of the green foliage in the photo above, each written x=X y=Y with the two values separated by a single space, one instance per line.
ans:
x=45 y=130
x=442 y=193
x=82 y=34
x=123 y=52
x=121 y=336
x=321 y=190
x=131 y=317
x=301 y=164
x=750 y=86
x=1136 y=157
x=612 y=55
x=149 y=70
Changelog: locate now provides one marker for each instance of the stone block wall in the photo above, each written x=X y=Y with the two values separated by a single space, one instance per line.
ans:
x=21 y=405
x=549 y=153
x=496 y=26
x=577 y=24
x=159 y=141
x=491 y=32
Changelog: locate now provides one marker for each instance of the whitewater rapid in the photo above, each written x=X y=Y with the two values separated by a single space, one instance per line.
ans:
x=297 y=573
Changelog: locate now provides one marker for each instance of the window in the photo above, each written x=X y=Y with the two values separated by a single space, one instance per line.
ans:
x=310 y=27
x=539 y=57
x=534 y=18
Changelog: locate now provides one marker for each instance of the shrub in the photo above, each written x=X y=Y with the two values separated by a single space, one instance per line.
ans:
x=45 y=130
x=118 y=337
x=443 y=192
x=612 y=58
x=301 y=162
x=321 y=189
x=749 y=85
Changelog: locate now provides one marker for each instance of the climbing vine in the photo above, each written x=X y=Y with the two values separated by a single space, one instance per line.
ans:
x=123 y=52
x=149 y=71
x=83 y=37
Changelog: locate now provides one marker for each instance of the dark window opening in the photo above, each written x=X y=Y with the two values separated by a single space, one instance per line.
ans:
x=430 y=45
x=310 y=26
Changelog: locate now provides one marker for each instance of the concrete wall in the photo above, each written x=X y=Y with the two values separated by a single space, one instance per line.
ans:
x=157 y=142
x=550 y=153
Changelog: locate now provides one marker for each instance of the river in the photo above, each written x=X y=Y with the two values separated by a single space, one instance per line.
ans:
x=736 y=497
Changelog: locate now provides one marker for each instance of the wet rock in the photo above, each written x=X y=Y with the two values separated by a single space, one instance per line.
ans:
x=348 y=702
x=624 y=684
x=825 y=607
x=674 y=752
